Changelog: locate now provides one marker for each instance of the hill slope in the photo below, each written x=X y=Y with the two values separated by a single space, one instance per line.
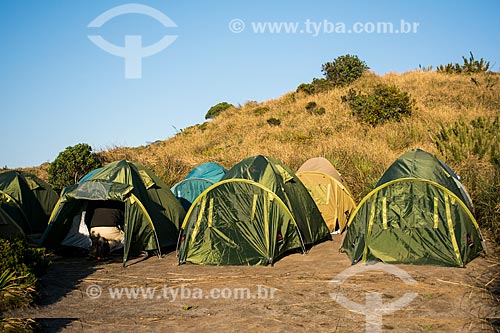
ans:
x=360 y=152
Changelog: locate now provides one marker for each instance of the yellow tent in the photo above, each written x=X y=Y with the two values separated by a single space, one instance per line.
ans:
x=328 y=191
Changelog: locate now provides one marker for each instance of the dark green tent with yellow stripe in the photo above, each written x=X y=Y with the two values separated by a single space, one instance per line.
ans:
x=419 y=213
x=9 y=229
x=152 y=214
x=256 y=214
x=27 y=200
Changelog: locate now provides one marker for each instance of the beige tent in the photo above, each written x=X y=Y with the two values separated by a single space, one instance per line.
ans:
x=328 y=191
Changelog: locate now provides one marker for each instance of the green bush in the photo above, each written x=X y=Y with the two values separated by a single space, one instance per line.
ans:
x=261 y=110
x=469 y=66
x=319 y=111
x=24 y=261
x=479 y=138
x=13 y=293
x=316 y=86
x=215 y=110
x=425 y=68
x=72 y=164
x=474 y=148
x=483 y=182
x=385 y=103
x=344 y=70
x=20 y=267
x=274 y=121
x=306 y=88
x=17 y=325
x=340 y=72
x=202 y=127
x=313 y=108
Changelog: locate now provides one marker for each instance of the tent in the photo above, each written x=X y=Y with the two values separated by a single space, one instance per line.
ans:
x=258 y=212
x=9 y=229
x=89 y=175
x=197 y=181
x=152 y=215
x=27 y=200
x=418 y=213
x=328 y=190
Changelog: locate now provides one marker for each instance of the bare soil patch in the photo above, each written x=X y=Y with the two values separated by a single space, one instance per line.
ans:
x=234 y=299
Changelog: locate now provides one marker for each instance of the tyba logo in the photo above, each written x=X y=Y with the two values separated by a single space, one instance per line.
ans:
x=132 y=51
x=374 y=308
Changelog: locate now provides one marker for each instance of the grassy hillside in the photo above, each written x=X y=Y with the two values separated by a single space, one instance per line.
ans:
x=359 y=151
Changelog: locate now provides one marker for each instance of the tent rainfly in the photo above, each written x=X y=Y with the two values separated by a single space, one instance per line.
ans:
x=418 y=213
x=197 y=181
x=27 y=200
x=258 y=212
x=152 y=215
x=9 y=229
x=329 y=191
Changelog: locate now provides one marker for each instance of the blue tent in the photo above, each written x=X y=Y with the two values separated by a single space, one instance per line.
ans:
x=197 y=181
x=89 y=175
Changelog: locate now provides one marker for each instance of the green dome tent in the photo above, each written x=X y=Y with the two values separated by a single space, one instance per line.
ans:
x=259 y=211
x=152 y=214
x=329 y=191
x=9 y=229
x=27 y=200
x=197 y=181
x=418 y=213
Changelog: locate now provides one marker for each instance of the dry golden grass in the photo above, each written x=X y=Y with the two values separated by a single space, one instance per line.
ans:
x=39 y=171
x=360 y=152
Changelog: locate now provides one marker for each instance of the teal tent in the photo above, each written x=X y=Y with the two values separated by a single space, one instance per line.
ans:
x=152 y=214
x=89 y=175
x=197 y=181
x=256 y=214
x=418 y=213
x=210 y=171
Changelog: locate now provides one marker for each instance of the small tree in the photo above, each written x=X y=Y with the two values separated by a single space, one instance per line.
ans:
x=316 y=86
x=217 y=109
x=72 y=164
x=385 y=103
x=313 y=108
x=274 y=121
x=344 y=70
x=469 y=66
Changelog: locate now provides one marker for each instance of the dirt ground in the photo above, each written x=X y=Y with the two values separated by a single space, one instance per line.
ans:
x=294 y=295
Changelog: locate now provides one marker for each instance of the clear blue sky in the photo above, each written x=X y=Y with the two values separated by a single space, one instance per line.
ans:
x=59 y=89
